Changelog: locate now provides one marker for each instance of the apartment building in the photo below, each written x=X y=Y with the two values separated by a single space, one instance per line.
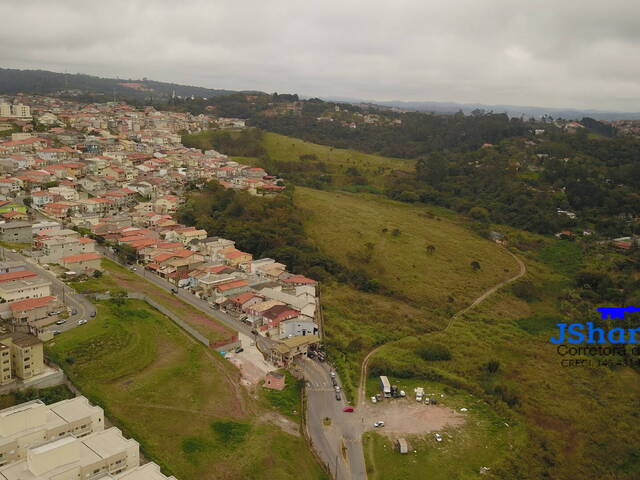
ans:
x=101 y=454
x=34 y=423
x=21 y=356
x=21 y=288
x=63 y=244
x=16 y=232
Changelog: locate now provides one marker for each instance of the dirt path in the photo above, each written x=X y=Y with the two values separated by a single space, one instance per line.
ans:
x=365 y=363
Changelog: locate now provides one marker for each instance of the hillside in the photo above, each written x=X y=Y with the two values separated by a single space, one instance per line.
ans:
x=44 y=82
x=391 y=241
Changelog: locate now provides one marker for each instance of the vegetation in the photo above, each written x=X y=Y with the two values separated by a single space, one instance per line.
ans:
x=182 y=401
x=287 y=401
x=48 y=395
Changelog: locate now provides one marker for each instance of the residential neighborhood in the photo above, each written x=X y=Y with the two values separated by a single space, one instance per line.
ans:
x=108 y=179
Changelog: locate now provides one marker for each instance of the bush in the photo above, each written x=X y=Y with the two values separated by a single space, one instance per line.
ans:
x=231 y=432
x=433 y=352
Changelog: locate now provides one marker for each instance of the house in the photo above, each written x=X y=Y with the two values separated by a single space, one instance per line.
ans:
x=167 y=204
x=30 y=309
x=82 y=262
x=7 y=206
x=40 y=199
x=272 y=317
x=189 y=234
x=231 y=288
x=298 y=326
x=289 y=350
x=274 y=381
x=16 y=232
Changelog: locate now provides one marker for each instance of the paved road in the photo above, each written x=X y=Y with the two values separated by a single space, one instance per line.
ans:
x=78 y=303
x=337 y=444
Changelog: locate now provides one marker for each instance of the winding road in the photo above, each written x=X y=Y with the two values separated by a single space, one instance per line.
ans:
x=339 y=445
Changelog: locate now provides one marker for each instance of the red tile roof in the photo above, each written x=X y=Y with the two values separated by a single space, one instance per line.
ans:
x=7 y=277
x=30 y=303
x=81 y=257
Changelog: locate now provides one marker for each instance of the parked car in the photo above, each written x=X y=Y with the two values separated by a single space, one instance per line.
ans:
x=332 y=374
x=378 y=424
x=239 y=349
x=338 y=397
x=57 y=332
x=334 y=381
x=174 y=290
x=337 y=388
x=438 y=437
x=92 y=314
x=74 y=311
x=82 y=322
x=348 y=409
x=13 y=250
x=61 y=322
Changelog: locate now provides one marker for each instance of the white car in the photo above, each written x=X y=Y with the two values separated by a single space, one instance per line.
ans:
x=438 y=437
x=82 y=322
x=378 y=424
x=374 y=399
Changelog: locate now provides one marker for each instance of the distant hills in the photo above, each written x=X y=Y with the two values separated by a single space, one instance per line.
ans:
x=90 y=87
x=47 y=83
x=511 y=110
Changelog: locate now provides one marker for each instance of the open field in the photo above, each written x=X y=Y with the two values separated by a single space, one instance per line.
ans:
x=118 y=279
x=182 y=401
x=336 y=162
x=500 y=354
x=389 y=240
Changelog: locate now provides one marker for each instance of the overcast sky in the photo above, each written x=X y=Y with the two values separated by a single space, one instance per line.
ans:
x=542 y=53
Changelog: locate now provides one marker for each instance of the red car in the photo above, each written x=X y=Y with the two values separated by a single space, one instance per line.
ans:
x=348 y=409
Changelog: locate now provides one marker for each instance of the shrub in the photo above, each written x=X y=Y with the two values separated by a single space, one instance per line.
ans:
x=433 y=352
x=230 y=432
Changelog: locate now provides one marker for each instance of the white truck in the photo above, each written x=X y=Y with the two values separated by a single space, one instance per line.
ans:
x=419 y=393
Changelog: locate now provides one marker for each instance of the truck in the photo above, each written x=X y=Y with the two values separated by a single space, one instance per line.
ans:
x=385 y=386
x=419 y=393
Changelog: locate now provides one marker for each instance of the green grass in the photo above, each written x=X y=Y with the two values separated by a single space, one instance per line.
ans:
x=288 y=400
x=116 y=279
x=564 y=256
x=389 y=241
x=181 y=401
x=483 y=440
x=338 y=160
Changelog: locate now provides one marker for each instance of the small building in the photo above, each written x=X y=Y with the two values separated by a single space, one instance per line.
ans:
x=82 y=262
x=274 y=380
x=16 y=232
x=403 y=446
x=289 y=350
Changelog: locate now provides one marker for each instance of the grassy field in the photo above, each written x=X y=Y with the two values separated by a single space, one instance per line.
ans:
x=336 y=160
x=500 y=353
x=117 y=279
x=389 y=240
x=181 y=401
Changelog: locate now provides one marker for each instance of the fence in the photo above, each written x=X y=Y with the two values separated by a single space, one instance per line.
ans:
x=225 y=344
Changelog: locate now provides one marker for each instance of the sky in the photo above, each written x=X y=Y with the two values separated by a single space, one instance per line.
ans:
x=581 y=54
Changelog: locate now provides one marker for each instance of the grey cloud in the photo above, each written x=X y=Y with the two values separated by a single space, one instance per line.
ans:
x=548 y=53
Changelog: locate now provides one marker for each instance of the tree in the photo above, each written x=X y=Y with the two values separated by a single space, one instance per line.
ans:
x=97 y=274
x=475 y=265
x=27 y=201
x=479 y=213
